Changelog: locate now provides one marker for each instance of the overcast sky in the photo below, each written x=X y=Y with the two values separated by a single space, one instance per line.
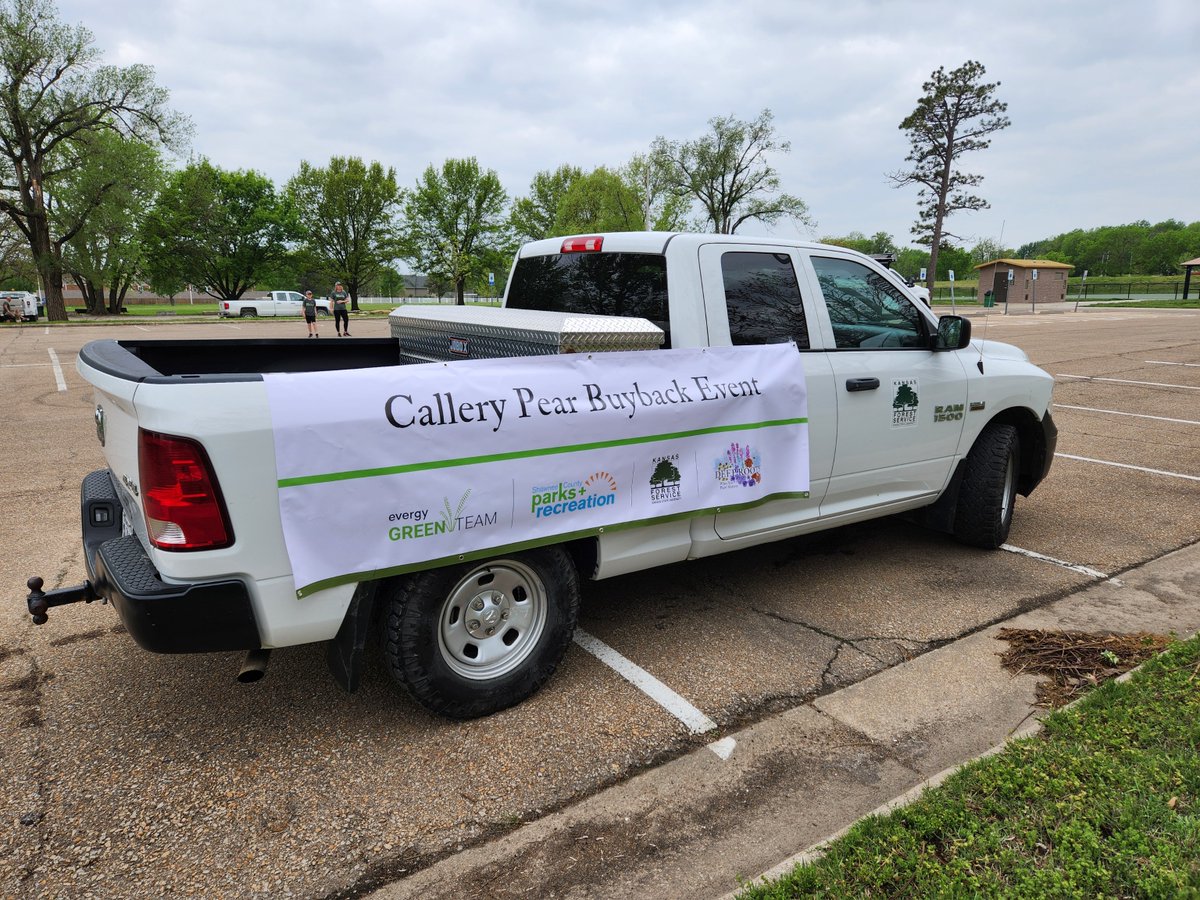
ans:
x=1104 y=97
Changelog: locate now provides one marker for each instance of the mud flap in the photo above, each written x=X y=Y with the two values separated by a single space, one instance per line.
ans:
x=345 y=653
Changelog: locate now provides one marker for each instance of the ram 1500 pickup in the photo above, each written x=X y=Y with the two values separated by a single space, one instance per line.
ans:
x=276 y=303
x=209 y=462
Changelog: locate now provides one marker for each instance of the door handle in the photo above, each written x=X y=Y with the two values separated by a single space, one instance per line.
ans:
x=862 y=384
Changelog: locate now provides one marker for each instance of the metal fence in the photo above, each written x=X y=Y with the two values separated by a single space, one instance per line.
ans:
x=1127 y=289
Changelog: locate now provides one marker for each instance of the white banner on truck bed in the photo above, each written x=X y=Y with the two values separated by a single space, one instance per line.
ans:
x=388 y=470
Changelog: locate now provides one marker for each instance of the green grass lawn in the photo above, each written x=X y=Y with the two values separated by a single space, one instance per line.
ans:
x=1190 y=303
x=1105 y=802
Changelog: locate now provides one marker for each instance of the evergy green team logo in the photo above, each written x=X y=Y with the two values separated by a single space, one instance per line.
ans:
x=565 y=497
x=450 y=519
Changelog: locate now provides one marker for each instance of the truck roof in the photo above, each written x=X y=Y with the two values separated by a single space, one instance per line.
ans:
x=657 y=241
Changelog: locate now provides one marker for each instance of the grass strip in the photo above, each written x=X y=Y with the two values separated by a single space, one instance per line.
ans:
x=1105 y=802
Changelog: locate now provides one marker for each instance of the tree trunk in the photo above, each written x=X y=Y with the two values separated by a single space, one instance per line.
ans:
x=49 y=266
x=459 y=285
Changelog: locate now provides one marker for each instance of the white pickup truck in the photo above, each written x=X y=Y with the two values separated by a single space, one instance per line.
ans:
x=183 y=530
x=276 y=303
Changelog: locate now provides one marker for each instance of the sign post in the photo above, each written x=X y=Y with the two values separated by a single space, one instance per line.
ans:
x=1033 y=293
x=953 y=307
x=1082 y=290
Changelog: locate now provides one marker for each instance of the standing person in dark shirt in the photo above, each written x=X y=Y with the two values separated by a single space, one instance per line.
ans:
x=341 y=318
x=310 y=313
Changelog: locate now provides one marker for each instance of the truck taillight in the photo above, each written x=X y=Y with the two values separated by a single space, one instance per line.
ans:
x=582 y=245
x=227 y=304
x=180 y=495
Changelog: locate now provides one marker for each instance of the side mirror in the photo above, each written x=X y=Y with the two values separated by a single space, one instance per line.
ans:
x=953 y=333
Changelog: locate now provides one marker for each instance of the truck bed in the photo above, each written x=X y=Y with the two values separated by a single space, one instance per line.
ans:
x=234 y=360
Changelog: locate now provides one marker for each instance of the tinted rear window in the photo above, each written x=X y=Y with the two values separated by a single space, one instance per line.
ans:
x=595 y=284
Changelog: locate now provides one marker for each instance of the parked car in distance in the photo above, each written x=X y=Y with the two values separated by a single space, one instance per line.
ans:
x=19 y=306
x=276 y=303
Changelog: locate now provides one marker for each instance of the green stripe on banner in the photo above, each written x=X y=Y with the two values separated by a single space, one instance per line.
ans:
x=525 y=454
x=473 y=555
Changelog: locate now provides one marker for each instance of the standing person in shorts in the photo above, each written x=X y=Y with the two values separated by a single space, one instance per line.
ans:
x=341 y=318
x=310 y=313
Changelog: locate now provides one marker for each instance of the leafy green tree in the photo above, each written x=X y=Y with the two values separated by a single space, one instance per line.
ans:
x=17 y=272
x=452 y=218
x=348 y=215
x=663 y=209
x=956 y=259
x=114 y=185
x=879 y=243
x=533 y=217
x=910 y=261
x=726 y=171
x=987 y=250
x=598 y=201
x=218 y=229
x=53 y=93
x=954 y=117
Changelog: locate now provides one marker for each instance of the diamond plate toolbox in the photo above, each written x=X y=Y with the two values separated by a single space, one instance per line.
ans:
x=437 y=334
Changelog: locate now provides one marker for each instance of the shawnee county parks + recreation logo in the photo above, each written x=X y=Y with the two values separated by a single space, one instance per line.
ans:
x=597 y=490
x=741 y=466
x=665 y=478
x=904 y=402
x=450 y=519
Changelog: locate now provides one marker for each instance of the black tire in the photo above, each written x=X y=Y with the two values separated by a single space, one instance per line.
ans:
x=249 y=313
x=323 y=312
x=444 y=655
x=989 y=488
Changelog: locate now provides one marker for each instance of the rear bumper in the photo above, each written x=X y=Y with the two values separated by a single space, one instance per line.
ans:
x=196 y=617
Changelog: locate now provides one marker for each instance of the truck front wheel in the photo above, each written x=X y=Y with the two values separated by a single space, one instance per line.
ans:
x=989 y=488
x=470 y=640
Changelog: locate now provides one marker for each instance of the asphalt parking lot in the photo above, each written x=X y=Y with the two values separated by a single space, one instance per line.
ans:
x=131 y=774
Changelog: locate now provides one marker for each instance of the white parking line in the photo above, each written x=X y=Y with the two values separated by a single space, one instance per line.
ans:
x=696 y=721
x=1113 y=412
x=58 y=373
x=1104 y=462
x=141 y=327
x=1163 y=362
x=1082 y=570
x=1182 y=387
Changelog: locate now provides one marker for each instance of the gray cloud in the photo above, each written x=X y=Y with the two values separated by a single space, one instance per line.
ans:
x=1101 y=96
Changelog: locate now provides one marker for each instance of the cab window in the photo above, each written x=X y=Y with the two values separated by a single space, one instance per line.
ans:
x=866 y=310
x=762 y=298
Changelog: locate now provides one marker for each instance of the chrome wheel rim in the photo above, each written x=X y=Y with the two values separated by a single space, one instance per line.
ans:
x=492 y=619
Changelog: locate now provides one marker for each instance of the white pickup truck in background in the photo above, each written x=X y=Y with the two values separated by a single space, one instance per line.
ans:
x=276 y=303
x=182 y=529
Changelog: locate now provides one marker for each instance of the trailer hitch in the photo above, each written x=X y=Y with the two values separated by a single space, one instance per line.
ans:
x=40 y=601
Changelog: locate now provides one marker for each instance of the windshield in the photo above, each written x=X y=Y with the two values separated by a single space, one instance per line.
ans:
x=594 y=284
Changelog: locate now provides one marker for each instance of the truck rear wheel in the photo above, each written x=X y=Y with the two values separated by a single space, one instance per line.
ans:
x=470 y=640
x=989 y=488
x=249 y=313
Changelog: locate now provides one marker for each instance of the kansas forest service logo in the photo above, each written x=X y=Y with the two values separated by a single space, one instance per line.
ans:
x=665 y=479
x=905 y=399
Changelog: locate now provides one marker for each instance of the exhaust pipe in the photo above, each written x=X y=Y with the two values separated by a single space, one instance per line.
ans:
x=255 y=666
